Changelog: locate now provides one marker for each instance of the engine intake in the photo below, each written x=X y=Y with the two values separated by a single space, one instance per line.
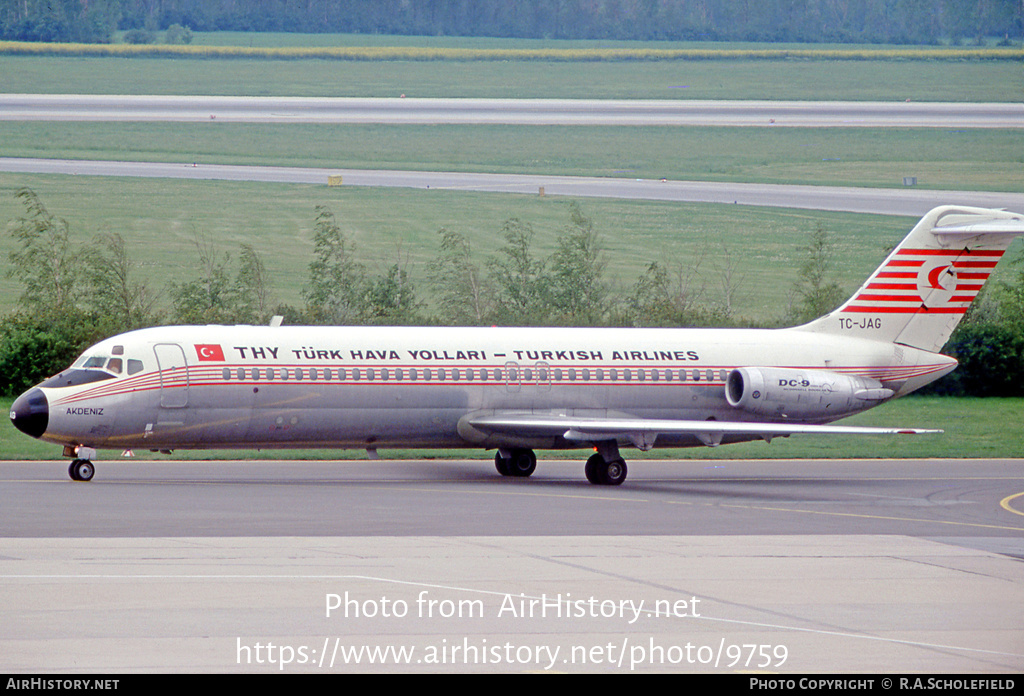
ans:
x=801 y=394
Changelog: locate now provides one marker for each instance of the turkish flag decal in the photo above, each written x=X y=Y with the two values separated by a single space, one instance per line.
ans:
x=209 y=351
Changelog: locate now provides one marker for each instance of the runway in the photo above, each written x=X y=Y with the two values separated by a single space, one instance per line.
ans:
x=569 y=112
x=907 y=201
x=726 y=567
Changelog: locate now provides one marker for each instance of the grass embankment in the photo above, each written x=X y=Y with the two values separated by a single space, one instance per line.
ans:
x=974 y=428
x=160 y=219
x=879 y=74
x=972 y=159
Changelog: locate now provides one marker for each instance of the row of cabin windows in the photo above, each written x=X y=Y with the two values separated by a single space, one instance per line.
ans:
x=468 y=374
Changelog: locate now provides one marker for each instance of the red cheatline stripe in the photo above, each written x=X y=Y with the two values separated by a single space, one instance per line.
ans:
x=973 y=276
x=892 y=286
x=896 y=274
x=888 y=298
x=904 y=264
x=974 y=264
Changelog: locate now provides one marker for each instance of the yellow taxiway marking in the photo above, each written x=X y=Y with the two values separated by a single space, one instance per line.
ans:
x=1005 y=503
x=860 y=515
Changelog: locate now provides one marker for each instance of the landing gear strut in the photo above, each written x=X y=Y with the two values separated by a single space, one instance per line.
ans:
x=606 y=467
x=81 y=470
x=516 y=462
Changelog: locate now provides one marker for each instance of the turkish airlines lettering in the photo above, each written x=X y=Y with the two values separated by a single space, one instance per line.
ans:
x=516 y=390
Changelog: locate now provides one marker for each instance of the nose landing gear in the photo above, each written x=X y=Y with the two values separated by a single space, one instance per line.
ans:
x=81 y=470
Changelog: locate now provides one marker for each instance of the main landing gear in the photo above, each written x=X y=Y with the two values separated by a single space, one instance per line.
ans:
x=605 y=473
x=516 y=462
x=605 y=468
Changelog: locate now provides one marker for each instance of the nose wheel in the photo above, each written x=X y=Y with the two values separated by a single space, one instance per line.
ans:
x=81 y=470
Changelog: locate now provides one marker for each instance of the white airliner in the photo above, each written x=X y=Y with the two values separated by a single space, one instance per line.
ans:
x=520 y=389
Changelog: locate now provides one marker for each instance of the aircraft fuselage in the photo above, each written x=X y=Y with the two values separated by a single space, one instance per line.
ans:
x=369 y=387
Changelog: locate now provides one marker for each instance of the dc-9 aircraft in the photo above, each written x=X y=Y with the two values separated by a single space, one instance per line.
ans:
x=516 y=390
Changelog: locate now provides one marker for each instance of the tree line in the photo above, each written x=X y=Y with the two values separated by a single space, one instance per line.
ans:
x=75 y=294
x=814 y=21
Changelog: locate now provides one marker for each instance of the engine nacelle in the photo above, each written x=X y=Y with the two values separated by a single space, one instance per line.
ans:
x=801 y=394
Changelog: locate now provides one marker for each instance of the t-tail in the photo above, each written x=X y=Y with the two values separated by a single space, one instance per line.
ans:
x=923 y=289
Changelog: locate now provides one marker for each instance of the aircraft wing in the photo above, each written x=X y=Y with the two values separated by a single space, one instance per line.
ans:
x=643 y=432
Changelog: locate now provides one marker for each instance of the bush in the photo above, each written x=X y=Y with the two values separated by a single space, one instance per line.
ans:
x=33 y=348
x=991 y=358
x=139 y=36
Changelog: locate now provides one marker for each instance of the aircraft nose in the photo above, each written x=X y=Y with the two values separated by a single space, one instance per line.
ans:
x=30 y=413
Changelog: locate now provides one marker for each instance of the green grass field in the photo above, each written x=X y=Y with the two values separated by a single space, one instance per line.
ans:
x=976 y=159
x=160 y=220
x=974 y=428
x=873 y=80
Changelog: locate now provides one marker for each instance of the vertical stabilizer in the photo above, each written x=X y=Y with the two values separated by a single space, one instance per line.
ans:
x=922 y=290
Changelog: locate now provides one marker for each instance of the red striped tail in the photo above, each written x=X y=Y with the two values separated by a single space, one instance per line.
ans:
x=919 y=294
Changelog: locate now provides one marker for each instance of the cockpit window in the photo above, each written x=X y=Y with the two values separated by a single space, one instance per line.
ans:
x=73 y=378
x=115 y=365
